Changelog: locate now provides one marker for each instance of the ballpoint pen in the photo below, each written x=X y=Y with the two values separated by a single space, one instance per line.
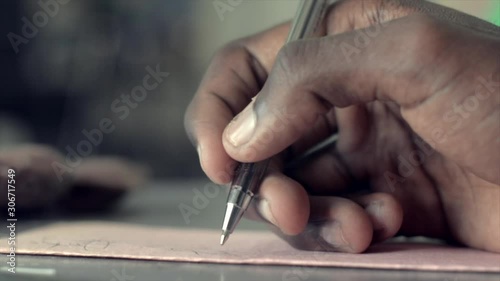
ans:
x=248 y=176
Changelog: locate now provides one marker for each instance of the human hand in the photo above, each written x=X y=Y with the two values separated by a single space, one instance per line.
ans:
x=416 y=109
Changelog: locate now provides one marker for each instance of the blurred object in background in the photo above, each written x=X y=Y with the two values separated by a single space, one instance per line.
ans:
x=13 y=131
x=87 y=56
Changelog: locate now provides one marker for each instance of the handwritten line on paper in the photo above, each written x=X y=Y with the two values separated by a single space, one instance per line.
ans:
x=104 y=239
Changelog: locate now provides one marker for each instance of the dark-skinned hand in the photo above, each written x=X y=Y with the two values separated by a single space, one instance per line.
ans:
x=412 y=88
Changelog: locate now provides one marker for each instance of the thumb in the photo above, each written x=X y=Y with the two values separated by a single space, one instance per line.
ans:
x=312 y=76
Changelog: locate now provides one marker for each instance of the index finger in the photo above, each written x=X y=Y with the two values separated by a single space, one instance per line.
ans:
x=235 y=75
x=238 y=72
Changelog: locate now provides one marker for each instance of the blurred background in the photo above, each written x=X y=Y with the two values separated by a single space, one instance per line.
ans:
x=84 y=54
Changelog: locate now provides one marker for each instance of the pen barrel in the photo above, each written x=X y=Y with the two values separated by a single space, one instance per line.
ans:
x=248 y=176
x=309 y=16
x=246 y=181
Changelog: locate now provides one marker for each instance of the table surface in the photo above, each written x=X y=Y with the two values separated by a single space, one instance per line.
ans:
x=158 y=205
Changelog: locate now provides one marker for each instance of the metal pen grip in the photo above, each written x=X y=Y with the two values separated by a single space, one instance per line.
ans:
x=309 y=16
x=248 y=176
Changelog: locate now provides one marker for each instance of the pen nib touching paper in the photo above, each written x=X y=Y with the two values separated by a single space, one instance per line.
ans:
x=223 y=238
x=116 y=240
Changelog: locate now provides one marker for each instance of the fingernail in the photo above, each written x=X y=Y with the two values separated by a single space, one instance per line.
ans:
x=332 y=233
x=240 y=130
x=198 y=148
x=264 y=210
x=374 y=209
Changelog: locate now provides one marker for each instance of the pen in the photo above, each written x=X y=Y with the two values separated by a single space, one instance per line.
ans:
x=248 y=176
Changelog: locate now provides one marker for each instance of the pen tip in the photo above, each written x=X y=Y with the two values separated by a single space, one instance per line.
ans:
x=223 y=238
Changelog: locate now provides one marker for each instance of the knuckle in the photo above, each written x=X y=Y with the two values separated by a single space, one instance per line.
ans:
x=425 y=25
x=294 y=58
x=429 y=36
x=354 y=14
x=228 y=52
x=291 y=56
x=391 y=9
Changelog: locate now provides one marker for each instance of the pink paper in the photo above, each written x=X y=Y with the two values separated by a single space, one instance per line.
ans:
x=98 y=239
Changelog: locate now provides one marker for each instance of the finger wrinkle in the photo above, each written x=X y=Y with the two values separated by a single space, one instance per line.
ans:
x=249 y=91
x=225 y=101
x=258 y=70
